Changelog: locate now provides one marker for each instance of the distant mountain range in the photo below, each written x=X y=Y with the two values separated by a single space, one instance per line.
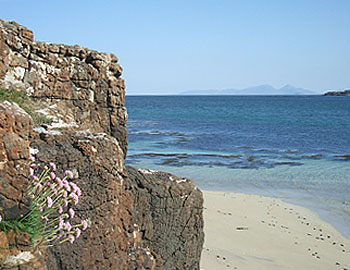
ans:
x=256 y=90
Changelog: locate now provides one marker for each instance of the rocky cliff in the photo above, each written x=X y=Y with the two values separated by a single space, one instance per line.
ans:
x=141 y=221
x=79 y=88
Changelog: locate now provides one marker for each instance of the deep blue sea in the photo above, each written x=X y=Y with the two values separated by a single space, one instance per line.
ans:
x=293 y=147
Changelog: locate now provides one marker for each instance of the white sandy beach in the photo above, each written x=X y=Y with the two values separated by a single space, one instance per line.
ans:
x=249 y=232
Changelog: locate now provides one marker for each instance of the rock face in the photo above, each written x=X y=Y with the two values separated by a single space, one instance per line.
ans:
x=101 y=177
x=107 y=201
x=16 y=252
x=142 y=221
x=82 y=88
x=338 y=93
x=112 y=240
x=15 y=131
x=169 y=216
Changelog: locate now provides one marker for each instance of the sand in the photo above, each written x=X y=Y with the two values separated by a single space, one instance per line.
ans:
x=255 y=232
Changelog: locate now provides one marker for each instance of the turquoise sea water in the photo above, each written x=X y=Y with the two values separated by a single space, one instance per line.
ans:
x=293 y=147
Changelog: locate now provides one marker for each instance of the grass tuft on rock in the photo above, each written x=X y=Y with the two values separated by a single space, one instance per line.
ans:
x=29 y=225
x=28 y=104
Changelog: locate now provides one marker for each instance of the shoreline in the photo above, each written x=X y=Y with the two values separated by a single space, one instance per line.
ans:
x=321 y=186
x=325 y=210
x=244 y=231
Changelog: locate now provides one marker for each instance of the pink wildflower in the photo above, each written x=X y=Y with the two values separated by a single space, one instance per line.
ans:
x=34 y=165
x=31 y=171
x=59 y=182
x=65 y=194
x=65 y=203
x=67 y=226
x=78 y=192
x=66 y=185
x=71 y=212
x=40 y=186
x=52 y=166
x=60 y=210
x=0 y=218
x=74 y=186
x=35 y=178
x=54 y=190
x=77 y=233
x=69 y=174
x=84 y=224
x=31 y=158
x=40 y=209
x=74 y=197
x=52 y=175
x=71 y=238
x=61 y=223
x=49 y=202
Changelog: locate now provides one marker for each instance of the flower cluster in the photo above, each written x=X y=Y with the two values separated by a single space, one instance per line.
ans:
x=52 y=199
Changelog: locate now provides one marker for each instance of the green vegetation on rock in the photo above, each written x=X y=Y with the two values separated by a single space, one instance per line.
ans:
x=28 y=104
x=30 y=225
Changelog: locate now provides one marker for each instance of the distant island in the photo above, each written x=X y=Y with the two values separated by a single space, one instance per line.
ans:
x=338 y=93
x=256 y=90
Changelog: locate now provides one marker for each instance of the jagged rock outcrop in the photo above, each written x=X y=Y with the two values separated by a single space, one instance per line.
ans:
x=145 y=221
x=169 y=216
x=112 y=240
x=107 y=202
x=79 y=88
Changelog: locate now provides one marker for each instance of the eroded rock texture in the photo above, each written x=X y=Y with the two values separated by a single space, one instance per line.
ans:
x=81 y=88
x=107 y=201
x=17 y=254
x=112 y=240
x=150 y=220
x=169 y=216
x=15 y=131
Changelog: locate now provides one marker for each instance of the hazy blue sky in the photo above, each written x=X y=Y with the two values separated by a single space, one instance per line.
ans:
x=169 y=46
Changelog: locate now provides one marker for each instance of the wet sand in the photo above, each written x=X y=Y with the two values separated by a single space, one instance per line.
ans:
x=255 y=232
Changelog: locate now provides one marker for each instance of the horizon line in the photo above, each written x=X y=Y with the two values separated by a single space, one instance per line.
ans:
x=217 y=95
